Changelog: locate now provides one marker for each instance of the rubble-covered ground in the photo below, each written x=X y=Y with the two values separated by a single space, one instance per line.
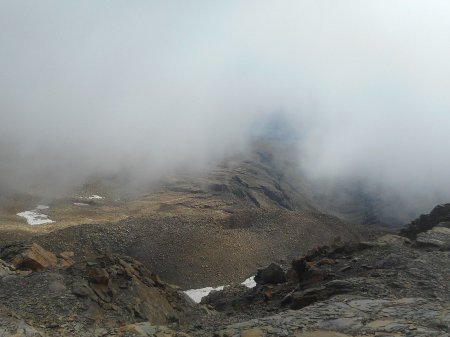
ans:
x=392 y=286
x=389 y=287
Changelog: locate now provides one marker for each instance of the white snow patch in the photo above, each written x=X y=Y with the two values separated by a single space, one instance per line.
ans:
x=250 y=282
x=198 y=294
x=80 y=204
x=95 y=197
x=33 y=217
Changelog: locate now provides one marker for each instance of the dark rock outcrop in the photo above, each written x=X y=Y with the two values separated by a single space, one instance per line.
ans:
x=272 y=274
x=390 y=286
x=440 y=214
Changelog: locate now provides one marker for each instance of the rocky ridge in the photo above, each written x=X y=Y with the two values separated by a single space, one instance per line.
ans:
x=439 y=216
x=390 y=286
x=107 y=295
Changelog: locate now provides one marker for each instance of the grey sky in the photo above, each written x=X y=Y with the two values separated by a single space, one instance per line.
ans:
x=103 y=85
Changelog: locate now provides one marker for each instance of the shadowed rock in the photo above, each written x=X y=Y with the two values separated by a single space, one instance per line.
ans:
x=273 y=274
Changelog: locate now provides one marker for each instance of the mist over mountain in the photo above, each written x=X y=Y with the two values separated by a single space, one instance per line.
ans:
x=199 y=168
x=145 y=88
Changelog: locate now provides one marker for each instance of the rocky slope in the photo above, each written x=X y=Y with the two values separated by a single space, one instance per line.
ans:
x=42 y=297
x=390 y=286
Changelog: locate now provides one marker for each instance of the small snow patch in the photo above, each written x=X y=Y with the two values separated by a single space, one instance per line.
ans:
x=198 y=294
x=250 y=282
x=80 y=204
x=33 y=217
x=95 y=197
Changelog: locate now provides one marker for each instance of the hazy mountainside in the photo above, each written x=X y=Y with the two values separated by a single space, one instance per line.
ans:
x=348 y=202
x=268 y=176
x=92 y=272
x=215 y=226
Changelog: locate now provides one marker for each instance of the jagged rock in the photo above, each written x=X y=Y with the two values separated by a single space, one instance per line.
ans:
x=346 y=317
x=304 y=298
x=65 y=259
x=98 y=276
x=125 y=284
x=437 y=236
x=273 y=274
x=309 y=272
x=313 y=275
x=227 y=299
x=301 y=299
x=90 y=299
x=34 y=257
x=358 y=289
x=440 y=214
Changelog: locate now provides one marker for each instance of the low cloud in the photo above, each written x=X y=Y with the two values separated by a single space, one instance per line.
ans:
x=146 y=87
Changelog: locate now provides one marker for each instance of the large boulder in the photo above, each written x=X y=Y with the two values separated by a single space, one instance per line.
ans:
x=34 y=257
x=273 y=274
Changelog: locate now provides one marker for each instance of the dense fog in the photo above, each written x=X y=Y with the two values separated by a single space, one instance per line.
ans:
x=145 y=87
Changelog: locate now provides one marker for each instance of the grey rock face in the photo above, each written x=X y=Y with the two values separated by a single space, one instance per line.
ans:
x=357 y=316
x=437 y=236
x=390 y=287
